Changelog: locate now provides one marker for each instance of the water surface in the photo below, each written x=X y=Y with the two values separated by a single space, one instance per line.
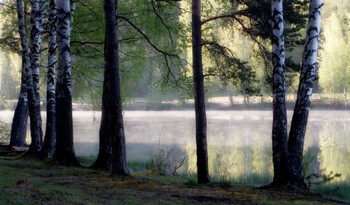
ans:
x=239 y=141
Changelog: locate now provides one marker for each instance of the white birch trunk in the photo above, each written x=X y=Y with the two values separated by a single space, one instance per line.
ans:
x=65 y=150
x=37 y=18
x=50 y=136
x=307 y=77
x=19 y=123
x=279 y=128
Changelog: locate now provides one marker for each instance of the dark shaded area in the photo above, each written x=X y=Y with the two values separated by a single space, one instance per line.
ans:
x=34 y=186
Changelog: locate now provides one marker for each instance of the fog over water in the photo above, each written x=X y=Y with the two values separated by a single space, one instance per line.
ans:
x=239 y=141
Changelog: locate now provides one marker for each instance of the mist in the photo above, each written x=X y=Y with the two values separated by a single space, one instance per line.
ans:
x=239 y=142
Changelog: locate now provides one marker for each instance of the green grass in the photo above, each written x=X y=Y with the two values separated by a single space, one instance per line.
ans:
x=29 y=181
x=339 y=190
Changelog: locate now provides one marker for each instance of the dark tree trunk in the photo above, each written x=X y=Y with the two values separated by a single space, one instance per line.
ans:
x=36 y=29
x=64 y=124
x=112 y=152
x=301 y=111
x=199 y=98
x=279 y=125
x=20 y=118
x=50 y=135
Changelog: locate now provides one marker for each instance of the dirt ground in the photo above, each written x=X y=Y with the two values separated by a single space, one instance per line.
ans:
x=29 y=181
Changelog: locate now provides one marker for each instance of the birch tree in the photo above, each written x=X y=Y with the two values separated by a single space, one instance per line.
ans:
x=64 y=124
x=37 y=17
x=50 y=135
x=279 y=125
x=112 y=152
x=287 y=160
x=307 y=78
x=19 y=123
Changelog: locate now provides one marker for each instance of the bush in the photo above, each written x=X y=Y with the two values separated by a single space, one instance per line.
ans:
x=167 y=162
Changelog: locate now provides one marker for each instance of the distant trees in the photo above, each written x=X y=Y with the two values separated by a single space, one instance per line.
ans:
x=236 y=42
x=335 y=52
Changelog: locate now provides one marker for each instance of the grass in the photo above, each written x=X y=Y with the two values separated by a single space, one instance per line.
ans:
x=29 y=181
x=339 y=190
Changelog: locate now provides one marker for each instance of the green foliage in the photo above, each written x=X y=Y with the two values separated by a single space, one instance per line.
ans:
x=8 y=38
x=162 y=62
x=233 y=71
x=150 y=26
x=334 y=69
x=191 y=182
x=237 y=49
x=141 y=69
x=10 y=72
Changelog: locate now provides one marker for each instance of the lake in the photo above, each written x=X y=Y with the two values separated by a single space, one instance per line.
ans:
x=239 y=142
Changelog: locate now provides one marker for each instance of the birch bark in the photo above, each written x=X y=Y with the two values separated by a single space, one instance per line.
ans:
x=279 y=125
x=50 y=135
x=307 y=78
x=64 y=121
x=37 y=17
x=19 y=123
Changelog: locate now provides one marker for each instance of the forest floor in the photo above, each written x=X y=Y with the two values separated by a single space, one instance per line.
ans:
x=29 y=181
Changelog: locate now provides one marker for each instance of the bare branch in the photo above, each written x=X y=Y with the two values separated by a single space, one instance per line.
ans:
x=146 y=37
x=87 y=42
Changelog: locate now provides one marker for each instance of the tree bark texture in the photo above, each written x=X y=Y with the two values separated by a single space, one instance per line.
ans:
x=199 y=97
x=50 y=135
x=64 y=121
x=20 y=119
x=36 y=30
x=112 y=152
x=307 y=78
x=279 y=125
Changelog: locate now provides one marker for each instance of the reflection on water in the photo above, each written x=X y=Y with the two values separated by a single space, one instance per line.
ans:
x=239 y=141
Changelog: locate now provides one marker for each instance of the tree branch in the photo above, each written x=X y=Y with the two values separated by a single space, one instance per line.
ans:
x=232 y=15
x=162 y=21
x=168 y=57
x=146 y=37
x=87 y=42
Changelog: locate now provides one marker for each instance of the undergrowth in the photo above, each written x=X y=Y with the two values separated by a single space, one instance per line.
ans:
x=4 y=133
